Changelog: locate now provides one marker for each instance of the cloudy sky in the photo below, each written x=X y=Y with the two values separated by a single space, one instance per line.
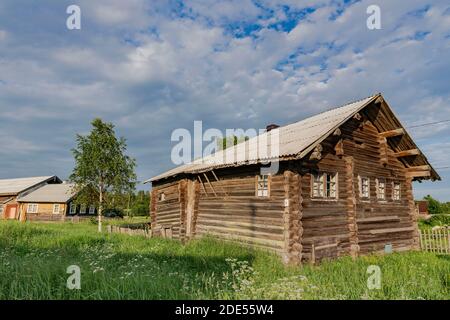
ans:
x=153 y=66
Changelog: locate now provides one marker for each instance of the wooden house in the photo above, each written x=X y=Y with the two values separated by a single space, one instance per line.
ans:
x=343 y=187
x=53 y=202
x=422 y=208
x=12 y=189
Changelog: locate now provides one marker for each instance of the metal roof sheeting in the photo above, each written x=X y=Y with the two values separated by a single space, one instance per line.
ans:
x=293 y=141
x=15 y=186
x=51 y=193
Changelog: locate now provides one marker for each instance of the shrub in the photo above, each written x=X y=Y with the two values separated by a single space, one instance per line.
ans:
x=434 y=206
x=435 y=220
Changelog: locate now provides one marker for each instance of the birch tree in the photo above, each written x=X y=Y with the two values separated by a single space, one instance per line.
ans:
x=102 y=169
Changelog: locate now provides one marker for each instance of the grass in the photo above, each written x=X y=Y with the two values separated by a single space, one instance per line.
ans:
x=34 y=258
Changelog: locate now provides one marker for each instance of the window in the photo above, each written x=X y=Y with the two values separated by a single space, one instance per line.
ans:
x=262 y=186
x=1 y=209
x=56 y=208
x=381 y=189
x=73 y=208
x=324 y=185
x=91 y=209
x=396 y=191
x=318 y=185
x=32 y=208
x=83 y=209
x=162 y=196
x=364 y=187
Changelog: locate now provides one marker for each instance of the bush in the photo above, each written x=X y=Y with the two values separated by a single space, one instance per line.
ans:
x=434 y=206
x=436 y=220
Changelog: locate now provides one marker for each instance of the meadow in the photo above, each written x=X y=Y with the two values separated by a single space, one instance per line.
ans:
x=34 y=258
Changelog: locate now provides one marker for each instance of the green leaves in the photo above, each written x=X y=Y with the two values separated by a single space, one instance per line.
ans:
x=102 y=169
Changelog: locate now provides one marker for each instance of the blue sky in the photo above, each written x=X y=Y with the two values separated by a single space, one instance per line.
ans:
x=153 y=66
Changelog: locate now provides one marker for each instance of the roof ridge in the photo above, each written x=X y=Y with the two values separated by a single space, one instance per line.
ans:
x=333 y=108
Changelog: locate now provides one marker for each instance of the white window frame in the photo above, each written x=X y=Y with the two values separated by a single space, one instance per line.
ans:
x=262 y=186
x=324 y=185
x=56 y=205
x=162 y=196
x=73 y=208
x=381 y=195
x=32 y=208
x=395 y=196
x=91 y=209
x=83 y=209
x=362 y=193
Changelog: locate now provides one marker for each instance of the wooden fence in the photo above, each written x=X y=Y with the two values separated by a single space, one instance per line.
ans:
x=437 y=241
x=145 y=232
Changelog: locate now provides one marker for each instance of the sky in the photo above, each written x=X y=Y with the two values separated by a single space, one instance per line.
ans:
x=151 y=67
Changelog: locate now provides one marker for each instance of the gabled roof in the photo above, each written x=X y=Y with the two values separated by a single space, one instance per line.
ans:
x=16 y=186
x=294 y=141
x=50 y=193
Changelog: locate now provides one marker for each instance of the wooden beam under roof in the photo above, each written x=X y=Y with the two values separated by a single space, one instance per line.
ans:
x=407 y=153
x=393 y=133
x=419 y=168
x=417 y=174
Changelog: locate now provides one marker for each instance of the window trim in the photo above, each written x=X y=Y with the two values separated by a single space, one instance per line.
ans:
x=59 y=208
x=91 y=209
x=399 y=190
x=257 y=180
x=73 y=208
x=361 y=195
x=323 y=177
x=378 y=189
x=33 y=205
x=83 y=209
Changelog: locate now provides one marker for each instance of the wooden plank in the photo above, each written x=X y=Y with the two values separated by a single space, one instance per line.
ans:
x=419 y=168
x=376 y=219
x=392 y=133
x=203 y=186
x=416 y=174
x=391 y=230
x=326 y=246
x=218 y=182
x=407 y=153
x=210 y=184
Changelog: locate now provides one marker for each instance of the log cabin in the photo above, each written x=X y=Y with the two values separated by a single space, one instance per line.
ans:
x=53 y=202
x=343 y=187
x=12 y=189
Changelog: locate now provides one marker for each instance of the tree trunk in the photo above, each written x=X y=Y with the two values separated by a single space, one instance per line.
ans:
x=100 y=209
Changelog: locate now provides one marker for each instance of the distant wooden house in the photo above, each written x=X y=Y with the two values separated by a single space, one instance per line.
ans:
x=422 y=208
x=53 y=202
x=344 y=187
x=12 y=189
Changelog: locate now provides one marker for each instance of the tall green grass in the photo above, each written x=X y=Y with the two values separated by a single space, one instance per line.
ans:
x=34 y=258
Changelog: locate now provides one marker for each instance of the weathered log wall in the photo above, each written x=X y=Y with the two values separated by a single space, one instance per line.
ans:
x=234 y=212
x=325 y=221
x=379 y=222
x=166 y=214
